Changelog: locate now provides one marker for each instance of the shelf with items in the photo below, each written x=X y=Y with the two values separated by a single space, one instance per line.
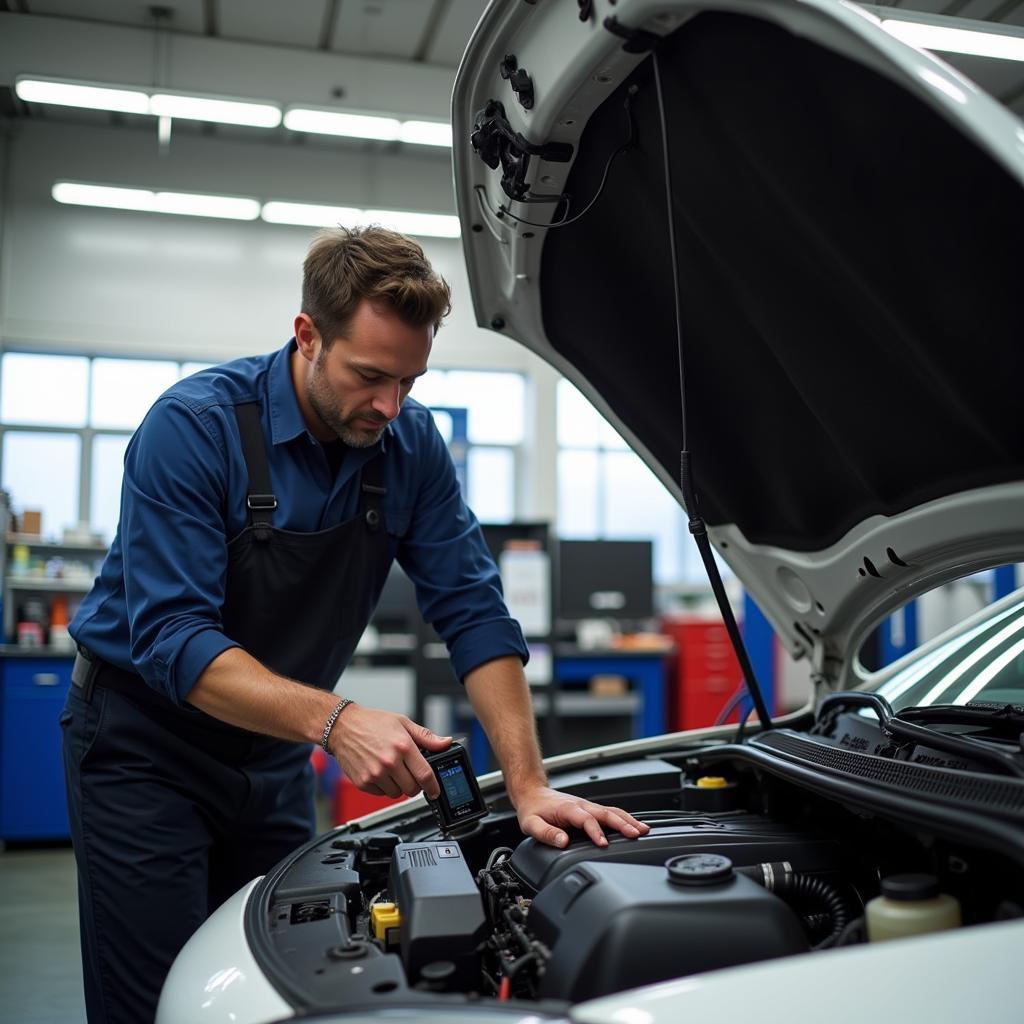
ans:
x=34 y=540
x=56 y=585
x=43 y=581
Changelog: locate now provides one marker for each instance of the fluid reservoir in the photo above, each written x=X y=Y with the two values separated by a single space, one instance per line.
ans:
x=710 y=793
x=910 y=905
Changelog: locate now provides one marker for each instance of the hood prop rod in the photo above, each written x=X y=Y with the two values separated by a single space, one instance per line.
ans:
x=696 y=522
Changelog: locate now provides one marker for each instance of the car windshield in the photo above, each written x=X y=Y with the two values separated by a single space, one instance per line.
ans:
x=984 y=664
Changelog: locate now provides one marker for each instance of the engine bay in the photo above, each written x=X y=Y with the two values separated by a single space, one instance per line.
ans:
x=743 y=863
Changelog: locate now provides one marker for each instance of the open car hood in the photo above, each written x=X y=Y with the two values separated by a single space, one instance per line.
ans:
x=849 y=215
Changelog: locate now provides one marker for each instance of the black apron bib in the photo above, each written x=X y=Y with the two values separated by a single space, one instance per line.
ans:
x=298 y=602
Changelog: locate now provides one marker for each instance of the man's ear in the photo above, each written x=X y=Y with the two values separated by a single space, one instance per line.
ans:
x=307 y=337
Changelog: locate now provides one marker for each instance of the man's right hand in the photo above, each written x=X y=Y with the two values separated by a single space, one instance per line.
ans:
x=380 y=752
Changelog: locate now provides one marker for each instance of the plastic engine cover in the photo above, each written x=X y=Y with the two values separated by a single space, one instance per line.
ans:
x=442 y=914
x=613 y=926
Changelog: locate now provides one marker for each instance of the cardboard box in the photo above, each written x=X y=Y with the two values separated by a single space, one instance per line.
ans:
x=32 y=521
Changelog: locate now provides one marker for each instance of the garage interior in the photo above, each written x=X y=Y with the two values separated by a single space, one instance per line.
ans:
x=106 y=300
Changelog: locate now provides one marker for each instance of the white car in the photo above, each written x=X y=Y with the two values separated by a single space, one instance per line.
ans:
x=838 y=297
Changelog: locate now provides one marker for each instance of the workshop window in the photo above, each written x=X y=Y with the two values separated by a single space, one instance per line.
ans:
x=124 y=389
x=106 y=471
x=75 y=415
x=44 y=390
x=605 y=491
x=41 y=472
x=495 y=404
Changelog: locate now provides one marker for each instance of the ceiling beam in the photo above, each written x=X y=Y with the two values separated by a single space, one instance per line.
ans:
x=117 y=54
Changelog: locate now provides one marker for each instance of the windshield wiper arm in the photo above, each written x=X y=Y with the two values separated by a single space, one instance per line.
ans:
x=1005 y=719
x=898 y=728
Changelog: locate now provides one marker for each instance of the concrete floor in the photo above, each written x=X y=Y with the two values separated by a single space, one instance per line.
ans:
x=40 y=963
x=40 y=959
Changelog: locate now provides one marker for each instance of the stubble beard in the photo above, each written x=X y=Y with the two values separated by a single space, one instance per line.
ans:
x=322 y=400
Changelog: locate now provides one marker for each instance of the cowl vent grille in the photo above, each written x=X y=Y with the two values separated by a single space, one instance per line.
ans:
x=1004 y=795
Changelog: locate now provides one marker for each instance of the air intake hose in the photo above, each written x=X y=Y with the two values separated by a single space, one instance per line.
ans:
x=820 y=904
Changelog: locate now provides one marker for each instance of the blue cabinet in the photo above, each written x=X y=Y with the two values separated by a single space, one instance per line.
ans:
x=32 y=799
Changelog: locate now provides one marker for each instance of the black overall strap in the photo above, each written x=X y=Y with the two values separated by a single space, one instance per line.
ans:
x=260 y=500
x=373 y=491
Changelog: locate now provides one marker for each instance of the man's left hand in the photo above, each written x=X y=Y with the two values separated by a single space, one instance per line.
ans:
x=544 y=813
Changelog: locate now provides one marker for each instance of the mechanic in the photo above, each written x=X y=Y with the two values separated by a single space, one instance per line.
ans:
x=262 y=505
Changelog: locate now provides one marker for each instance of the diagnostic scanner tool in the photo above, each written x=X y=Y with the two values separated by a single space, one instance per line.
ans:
x=460 y=802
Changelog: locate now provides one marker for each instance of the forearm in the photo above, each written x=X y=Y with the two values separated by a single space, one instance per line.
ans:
x=239 y=690
x=501 y=700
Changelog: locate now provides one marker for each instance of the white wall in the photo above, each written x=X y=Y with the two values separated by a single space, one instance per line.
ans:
x=113 y=282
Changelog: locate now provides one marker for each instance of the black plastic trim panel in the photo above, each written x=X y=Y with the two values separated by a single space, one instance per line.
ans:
x=1000 y=795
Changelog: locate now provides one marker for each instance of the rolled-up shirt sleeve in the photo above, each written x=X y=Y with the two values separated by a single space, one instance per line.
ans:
x=444 y=553
x=175 y=547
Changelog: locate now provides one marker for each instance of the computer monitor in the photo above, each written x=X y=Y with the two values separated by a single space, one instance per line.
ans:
x=605 y=579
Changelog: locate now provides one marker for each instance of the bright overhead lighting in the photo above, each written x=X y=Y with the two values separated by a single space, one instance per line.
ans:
x=182 y=203
x=193 y=204
x=432 y=225
x=92 y=97
x=334 y=122
x=956 y=40
x=435 y=225
x=309 y=215
x=190 y=204
x=426 y=133
x=367 y=126
x=202 y=108
x=74 y=194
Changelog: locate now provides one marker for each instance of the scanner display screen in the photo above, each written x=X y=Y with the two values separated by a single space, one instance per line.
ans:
x=456 y=786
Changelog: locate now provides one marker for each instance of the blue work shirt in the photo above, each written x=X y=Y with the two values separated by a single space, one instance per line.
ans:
x=156 y=606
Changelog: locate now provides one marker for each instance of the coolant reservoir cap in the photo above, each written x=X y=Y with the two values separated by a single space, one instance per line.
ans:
x=699 y=869
x=909 y=888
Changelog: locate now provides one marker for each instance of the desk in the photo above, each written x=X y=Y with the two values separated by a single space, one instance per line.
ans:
x=646 y=669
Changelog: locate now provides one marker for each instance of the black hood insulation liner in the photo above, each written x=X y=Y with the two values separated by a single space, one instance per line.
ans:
x=849 y=273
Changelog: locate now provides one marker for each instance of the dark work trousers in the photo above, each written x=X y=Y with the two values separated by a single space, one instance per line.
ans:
x=164 y=831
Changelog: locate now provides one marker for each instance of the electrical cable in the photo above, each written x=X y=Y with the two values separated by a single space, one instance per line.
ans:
x=730 y=705
x=503 y=211
x=696 y=524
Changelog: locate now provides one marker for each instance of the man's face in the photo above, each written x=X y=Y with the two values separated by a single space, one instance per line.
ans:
x=357 y=385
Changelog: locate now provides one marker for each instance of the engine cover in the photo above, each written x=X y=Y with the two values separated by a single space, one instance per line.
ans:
x=612 y=927
x=744 y=837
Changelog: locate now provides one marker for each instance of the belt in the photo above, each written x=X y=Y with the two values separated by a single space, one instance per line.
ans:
x=88 y=672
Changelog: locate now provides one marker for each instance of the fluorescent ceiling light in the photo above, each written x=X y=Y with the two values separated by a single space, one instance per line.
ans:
x=309 y=215
x=182 y=203
x=436 y=225
x=192 y=205
x=334 y=122
x=426 y=133
x=956 y=40
x=74 y=194
x=433 y=225
x=137 y=101
x=202 y=108
x=92 y=97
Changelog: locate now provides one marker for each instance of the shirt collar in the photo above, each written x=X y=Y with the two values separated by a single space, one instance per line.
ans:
x=286 y=421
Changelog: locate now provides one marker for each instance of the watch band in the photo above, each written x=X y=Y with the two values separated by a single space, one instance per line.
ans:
x=332 y=718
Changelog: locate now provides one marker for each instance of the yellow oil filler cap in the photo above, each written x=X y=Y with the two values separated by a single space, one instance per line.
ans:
x=711 y=782
x=384 y=917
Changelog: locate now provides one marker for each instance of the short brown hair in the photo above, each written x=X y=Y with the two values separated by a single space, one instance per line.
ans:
x=346 y=265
